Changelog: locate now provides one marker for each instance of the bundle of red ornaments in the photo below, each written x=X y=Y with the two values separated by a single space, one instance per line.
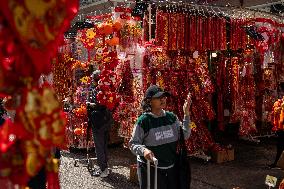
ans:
x=180 y=75
x=181 y=31
x=29 y=37
x=106 y=86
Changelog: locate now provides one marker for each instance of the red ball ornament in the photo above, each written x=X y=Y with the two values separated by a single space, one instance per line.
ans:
x=107 y=29
x=108 y=41
x=114 y=41
x=117 y=26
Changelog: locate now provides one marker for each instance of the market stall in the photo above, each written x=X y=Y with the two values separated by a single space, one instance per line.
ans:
x=107 y=45
x=229 y=59
x=231 y=63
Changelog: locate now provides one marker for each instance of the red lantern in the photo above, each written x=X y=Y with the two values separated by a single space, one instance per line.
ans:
x=114 y=41
x=108 y=41
x=117 y=26
x=107 y=29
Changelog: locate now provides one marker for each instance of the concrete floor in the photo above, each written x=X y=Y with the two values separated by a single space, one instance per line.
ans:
x=248 y=171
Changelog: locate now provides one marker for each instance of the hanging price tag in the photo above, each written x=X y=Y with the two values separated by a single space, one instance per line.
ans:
x=270 y=181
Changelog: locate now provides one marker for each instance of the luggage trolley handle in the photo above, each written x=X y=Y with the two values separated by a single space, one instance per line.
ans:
x=155 y=161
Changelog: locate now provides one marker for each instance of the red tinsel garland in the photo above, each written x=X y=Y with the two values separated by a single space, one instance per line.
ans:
x=173 y=29
x=181 y=32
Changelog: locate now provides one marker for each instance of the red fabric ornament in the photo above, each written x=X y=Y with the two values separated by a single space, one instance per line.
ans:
x=7 y=137
x=235 y=89
x=41 y=116
x=12 y=165
x=47 y=34
x=15 y=63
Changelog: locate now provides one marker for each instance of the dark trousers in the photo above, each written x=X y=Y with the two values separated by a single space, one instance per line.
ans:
x=101 y=141
x=166 y=178
x=280 y=145
x=100 y=135
x=57 y=154
x=38 y=181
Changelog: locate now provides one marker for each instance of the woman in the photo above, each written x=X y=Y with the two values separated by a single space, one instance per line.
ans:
x=156 y=135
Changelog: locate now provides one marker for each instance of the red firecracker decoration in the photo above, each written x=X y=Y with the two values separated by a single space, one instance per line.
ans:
x=182 y=31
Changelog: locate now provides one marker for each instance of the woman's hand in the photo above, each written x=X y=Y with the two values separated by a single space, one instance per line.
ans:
x=148 y=154
x=187 y=104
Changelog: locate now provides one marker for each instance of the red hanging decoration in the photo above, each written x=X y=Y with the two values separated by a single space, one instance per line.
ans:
x=173 y=32
x=181 y=32
x=49 y=21
x=52 y=176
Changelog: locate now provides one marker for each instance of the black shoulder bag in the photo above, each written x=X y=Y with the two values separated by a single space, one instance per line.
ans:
x=183 y=164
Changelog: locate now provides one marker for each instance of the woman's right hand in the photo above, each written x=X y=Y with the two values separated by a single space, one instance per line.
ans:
x=148 y=154
x=187 y=104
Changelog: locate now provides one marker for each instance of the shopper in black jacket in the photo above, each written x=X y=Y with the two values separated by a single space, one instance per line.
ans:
x=100 y=118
